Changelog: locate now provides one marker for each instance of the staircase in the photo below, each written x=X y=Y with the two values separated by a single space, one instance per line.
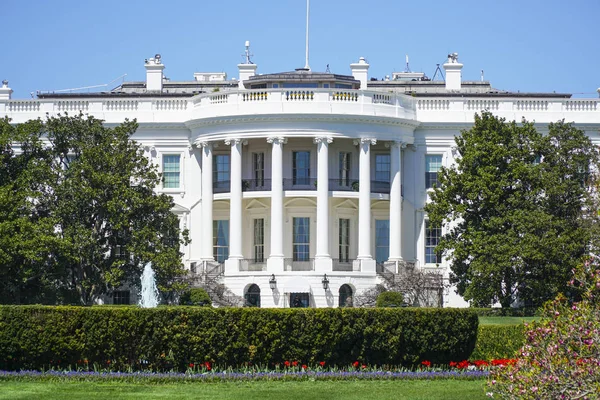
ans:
x=207 y=275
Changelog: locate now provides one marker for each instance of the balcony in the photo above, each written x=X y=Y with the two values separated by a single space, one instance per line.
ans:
x=298 y=183
x=344 y=185
x=289 y=265
x=221 y=186
x=256 y=185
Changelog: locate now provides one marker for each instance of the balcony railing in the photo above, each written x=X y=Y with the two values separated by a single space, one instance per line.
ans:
x=344 y=185
x=380 y=187
x=256 y=185
x=346 y=265
x=253 y=265
x=300 y=183
x=290 y=265
x=221 y=186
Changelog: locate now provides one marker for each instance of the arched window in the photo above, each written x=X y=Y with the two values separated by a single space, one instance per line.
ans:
x=346 y=296
x=252 y=296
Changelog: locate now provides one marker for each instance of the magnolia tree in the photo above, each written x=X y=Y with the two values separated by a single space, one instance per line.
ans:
x=561 y=357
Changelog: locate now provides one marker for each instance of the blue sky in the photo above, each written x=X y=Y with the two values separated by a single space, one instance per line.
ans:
x=526 y=45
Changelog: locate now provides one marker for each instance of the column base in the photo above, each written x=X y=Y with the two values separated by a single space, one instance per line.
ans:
x=323 y=264
x=232 y=266
x=368 y=265
x=274 y=264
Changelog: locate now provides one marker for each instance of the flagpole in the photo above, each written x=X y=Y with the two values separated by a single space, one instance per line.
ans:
x=307 y=13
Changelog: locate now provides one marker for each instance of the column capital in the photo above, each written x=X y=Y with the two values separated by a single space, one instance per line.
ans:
x=323 y=139
x=203 y=143
x=276 y=140
x=370 y=141
x=235 y=141
x=396 y=143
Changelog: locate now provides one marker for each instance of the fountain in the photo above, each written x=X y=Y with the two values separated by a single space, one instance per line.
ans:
x=149 y=292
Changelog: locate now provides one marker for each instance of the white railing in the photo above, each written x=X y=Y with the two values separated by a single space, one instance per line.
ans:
x=308 y=101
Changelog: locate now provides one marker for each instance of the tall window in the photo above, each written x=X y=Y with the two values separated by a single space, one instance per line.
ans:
x=433 y=163
x=432 y=238
x=344 y=241
x=221 y=170
x=344 y=164
x=258 y=165
x=301 y=168
x=259 y=240
x=382 y=240
x=301 y=240
x=382 y=167
x=221 y=240
x=171 y=171
x=345 y=296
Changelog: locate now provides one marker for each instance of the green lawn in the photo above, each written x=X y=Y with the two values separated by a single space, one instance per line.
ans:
x=505 y=320
x=346 y=390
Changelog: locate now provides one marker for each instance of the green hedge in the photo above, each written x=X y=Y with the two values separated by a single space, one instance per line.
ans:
x=498 y=341
x=390 y=299
x=35 y=337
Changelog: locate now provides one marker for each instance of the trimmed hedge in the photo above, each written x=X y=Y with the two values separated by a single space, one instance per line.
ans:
x=36 y=337
x=390 y=299
x=498 y=341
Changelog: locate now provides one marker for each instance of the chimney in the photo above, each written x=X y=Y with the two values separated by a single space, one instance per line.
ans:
x=5 y=91
x=248 y=68
x=453 y=74
x=154 y=74
x=360 y=71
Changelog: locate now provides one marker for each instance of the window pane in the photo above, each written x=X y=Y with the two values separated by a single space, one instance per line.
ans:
x=221 y=168
x=221 y=240
x=433 y=163
x=301 y=168
x=259 y=240
x=301 y=239
x=344 y=169
x=259 y=168
x=432 y=238
x=344 y=240
x=382 y=240
x=171 y=171
x=382 y=167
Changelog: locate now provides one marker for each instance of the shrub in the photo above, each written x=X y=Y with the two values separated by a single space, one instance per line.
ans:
x=164 y=338
x=195 y=297
x=506 y=312
x=390 y=299
x=561 y=357
x=498 y=341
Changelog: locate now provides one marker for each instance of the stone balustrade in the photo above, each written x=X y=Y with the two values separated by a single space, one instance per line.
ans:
x=307 y=101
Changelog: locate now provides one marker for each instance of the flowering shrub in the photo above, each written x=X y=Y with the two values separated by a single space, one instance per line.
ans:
x=561 y=358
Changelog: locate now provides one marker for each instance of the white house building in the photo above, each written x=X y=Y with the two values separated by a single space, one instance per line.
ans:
x=304 y=188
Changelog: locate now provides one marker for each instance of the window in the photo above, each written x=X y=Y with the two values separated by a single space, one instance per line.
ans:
x=121 y=297
x=301 y=168
x=344 y=240
x=221 y=240
x=344 y=164
x=221 y=170
x=301 y=239
x=258 y=165
x=299 y=85
x=299 y=300
x=342 y=86
x=433 y=163
x=345 y=296
x=171 y=164
x=382 y=167
x=432 y=238
x=259 y=240
x=326 y=86
x=276 y=86
x=252 y=296
x=382 y=240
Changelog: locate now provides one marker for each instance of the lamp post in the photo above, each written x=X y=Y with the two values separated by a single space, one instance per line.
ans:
x=272 y=282
x=325 y=282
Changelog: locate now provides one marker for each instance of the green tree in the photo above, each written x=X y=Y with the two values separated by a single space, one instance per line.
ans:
x=514 y=208
x=104 y=220
x=390 y=299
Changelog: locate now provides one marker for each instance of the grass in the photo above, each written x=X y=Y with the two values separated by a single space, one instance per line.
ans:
x=506 y=320
x=346 y=390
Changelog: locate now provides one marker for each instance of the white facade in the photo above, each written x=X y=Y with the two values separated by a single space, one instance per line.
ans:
x=298 y=179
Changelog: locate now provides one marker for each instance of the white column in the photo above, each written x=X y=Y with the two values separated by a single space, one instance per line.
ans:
x=395 y=200
x=322 y=258
x=364 y=200
x=275 y=260
x=235 y=203
x=207 y=202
